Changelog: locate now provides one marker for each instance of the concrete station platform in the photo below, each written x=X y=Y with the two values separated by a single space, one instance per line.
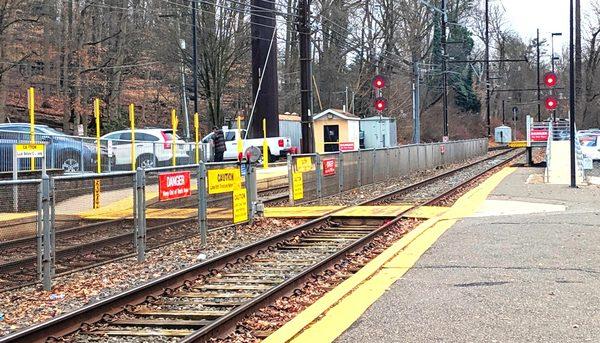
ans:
x=511 y=261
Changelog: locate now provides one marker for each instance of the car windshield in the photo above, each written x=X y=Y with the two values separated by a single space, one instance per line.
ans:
x=588 y=141
x=51 y=131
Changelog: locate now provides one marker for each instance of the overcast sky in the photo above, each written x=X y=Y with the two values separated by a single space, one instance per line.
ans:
x=525 y=16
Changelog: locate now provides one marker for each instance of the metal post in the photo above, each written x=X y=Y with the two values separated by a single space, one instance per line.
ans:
x=503 y=116
x=445 y=76
x=201 y=180
x=341 y=171
x=290 y=179
x=140 y=187
x=359 y=167
x=308 y=143
x=416 y=104
x=487 y=68
x=15 y=176
x=39 y=231
x=373 y=166
x=539 y=109
x=387 y=157
x=81 y=168
x=194 y=56
x=47 y=250
x=319 y=174
x=572 y=96
x=252 y=194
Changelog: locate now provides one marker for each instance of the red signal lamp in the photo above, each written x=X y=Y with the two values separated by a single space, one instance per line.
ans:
x=379 y=81
x=550 y=79
x=551 y=103
x=380 y=104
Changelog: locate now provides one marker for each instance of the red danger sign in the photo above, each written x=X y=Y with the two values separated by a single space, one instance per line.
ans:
x=346 y=146
x=329 y=167
x=174 y=185
x=539 y=135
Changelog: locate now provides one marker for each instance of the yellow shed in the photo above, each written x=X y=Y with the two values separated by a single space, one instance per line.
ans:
x=336 y=130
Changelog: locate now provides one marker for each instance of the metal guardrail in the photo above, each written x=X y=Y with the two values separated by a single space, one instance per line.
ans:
x=315 y=176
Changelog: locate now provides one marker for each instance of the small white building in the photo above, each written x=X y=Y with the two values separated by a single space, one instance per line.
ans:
x=378 y=132
x=503 y=134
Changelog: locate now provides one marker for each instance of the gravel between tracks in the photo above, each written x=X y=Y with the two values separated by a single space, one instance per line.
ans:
x=27 y=306
x=30 y=305
x=358 y=195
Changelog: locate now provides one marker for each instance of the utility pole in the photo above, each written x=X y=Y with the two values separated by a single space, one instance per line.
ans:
x=416 y=104
x=487 y=68
x=445 y=77
x=503 y=116
x=572 y=96
x=195 y=55
x=308 y=143
x=539 y=98
x=264 y=70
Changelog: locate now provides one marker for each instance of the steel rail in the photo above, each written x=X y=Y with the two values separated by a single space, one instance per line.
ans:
x=71 y=322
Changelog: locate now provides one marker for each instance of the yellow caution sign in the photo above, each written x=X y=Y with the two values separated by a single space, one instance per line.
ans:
x=298 y=186
x=29 y=150
x=518 y=144
x=240 y=206
x=223 y=180
x=96 y=194
x=304 y=164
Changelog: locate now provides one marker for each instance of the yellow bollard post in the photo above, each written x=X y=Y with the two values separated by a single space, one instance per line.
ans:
x=98 y=154
x=174 y=121
x=96 y=197
x=31 y=105
x=265 y=145
x=132 y=121
x=240 y=144
x=197 y=134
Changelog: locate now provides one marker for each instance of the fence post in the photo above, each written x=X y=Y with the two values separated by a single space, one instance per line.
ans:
x=15 y=176
x=47 y=248
x=319 y=175
x=251 y=192
x=81 y=166
x=39 y=232
x=201 y=180
x=359 y=166
x=387 y=157
x=341 y=169
x=290 y=180
x=374 y=165
x=140 y=187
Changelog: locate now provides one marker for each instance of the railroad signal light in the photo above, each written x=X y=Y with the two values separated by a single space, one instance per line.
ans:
x=550 y=79
x=380 y=104
x=551 y=103
x=378 y=82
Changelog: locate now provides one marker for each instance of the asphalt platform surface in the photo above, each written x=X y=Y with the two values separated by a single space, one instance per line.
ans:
x=502 y=277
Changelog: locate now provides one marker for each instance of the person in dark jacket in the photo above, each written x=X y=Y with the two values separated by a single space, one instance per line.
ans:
x=219 y=144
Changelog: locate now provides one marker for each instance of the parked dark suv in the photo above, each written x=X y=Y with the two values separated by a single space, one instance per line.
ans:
x=62 y=151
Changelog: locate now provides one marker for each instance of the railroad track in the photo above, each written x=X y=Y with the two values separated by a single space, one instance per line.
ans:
x=93 y=244
x=208 y=299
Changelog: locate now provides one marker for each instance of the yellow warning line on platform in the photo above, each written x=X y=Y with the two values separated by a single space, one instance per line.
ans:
x=299 y=211
x=333 y=313
x=164 y=213
x=7 y=217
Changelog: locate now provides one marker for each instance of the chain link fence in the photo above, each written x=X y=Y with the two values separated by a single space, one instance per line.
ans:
x=314 y=176
x=59 y=224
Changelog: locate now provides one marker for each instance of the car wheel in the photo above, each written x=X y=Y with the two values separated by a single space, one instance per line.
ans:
x=70 y=165
x=146 y=162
